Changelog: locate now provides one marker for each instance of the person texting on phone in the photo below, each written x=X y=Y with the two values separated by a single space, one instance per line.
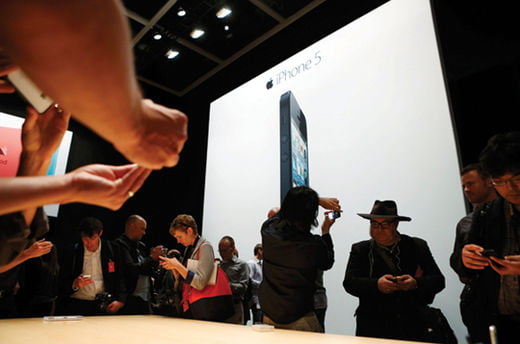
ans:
x=91 y=280
x=478 y=190
x=393 y=275
x=138 y=264
x=291 y=259
x=97 y=81
x=492 y=252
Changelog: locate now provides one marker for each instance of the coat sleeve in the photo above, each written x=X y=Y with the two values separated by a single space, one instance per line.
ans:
x=431 y=281
x=357 y=280
x=204 y=268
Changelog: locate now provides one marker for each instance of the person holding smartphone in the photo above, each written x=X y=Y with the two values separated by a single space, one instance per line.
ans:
x=393 y=275
x=492 y=251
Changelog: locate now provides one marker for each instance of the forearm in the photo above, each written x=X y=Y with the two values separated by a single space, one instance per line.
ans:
x=30 y=192
x=86 y=67
x=32 y=165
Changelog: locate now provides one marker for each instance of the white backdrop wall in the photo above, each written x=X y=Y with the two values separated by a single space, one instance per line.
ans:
x=379 y=127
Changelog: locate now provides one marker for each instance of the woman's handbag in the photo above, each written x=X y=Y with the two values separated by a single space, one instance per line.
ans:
x=214 y=302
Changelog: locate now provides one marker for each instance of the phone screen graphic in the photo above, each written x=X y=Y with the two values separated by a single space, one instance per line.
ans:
x=294 y=157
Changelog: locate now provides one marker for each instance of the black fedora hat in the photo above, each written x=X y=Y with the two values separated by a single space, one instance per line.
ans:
x=385 y=209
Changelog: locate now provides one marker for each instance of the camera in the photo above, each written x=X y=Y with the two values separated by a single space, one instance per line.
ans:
x=103 y=300
x=334 y=214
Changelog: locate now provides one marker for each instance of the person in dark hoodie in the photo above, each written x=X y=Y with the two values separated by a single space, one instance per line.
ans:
x=292 y=257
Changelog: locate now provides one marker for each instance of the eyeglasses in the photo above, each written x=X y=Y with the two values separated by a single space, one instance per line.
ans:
x=513 y=181
x=383 y=225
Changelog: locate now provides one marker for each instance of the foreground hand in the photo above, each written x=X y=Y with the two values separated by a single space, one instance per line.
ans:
x=386 y=284
x=42 y=134
x=105 y=185
x=38 y=249
x=158 y=137
x=510 y=265
x=114 y=307
x=472 y=259
x=6 y=67
x=406 y=282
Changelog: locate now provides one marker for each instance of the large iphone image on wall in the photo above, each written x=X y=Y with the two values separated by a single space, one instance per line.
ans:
x=294 y=157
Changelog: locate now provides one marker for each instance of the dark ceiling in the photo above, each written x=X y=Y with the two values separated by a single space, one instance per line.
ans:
x=472 y=38
x=225 y=40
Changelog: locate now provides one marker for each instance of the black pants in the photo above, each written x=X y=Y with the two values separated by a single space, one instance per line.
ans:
x=70 y=306
x=136 y=305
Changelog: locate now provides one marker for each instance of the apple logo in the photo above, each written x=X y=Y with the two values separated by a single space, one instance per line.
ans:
x=269 y=84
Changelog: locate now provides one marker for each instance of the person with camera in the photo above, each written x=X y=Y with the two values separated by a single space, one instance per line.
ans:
x=91 y=281
x=138 y=266
x=292 y=256
x=393 y=275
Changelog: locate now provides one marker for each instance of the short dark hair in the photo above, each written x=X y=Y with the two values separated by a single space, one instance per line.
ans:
x=257 y=248
x=501 y=154
x=230 y=239
x=475 y=167
x=182 y=222
x=90 y=226
x=299 y=208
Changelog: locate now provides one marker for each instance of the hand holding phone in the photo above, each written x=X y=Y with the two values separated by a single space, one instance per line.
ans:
x=334 y=214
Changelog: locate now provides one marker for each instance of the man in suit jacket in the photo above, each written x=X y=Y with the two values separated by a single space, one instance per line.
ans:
x=91 y=280
x=139 y=266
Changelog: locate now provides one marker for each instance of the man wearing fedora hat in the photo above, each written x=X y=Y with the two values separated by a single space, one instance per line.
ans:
x=393 y=275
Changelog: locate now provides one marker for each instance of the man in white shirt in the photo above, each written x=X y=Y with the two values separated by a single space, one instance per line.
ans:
x=255 y=274
x=90 y=276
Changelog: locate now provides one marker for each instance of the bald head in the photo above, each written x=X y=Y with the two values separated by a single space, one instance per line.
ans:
x=135 y=227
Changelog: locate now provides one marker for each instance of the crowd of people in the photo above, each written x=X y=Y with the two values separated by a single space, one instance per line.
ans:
x=394 y=275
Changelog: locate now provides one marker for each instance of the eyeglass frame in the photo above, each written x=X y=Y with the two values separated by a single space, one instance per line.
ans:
x=513 y=181
x=383 y=225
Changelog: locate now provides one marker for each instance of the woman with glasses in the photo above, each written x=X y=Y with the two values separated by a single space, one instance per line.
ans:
x=393 y=275
x=196 y=267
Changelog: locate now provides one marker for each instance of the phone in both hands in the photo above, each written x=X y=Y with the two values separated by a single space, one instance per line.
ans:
x=32 y=94
x=294 y=157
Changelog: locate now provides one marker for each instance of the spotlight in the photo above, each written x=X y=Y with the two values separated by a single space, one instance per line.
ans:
x=226 y=28
x=157 y=36
x=171 y=54
x=223 y=12
x=181 y=12
x=197 y=33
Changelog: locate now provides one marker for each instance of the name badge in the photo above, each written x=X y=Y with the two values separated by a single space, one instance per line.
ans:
x=111 y=267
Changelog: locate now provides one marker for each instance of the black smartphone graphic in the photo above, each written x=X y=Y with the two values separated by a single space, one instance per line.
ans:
x=294 y=157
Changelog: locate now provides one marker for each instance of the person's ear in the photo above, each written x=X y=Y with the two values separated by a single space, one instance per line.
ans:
x=100 y=234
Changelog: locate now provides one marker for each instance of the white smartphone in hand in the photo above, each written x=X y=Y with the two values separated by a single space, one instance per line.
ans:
x=29 y=91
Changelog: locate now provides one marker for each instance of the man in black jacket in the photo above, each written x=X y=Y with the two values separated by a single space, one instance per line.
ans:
x=91 y=280
x=393 y=275
x=138 y=266
x=492 y=253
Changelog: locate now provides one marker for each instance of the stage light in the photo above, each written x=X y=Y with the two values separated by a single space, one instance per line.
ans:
x=223 y=13
x=181 y=12
x=157 y=36
x=197 y=33
x=171 y=54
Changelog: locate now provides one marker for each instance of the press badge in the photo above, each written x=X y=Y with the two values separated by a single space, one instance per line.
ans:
x=111 y=267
